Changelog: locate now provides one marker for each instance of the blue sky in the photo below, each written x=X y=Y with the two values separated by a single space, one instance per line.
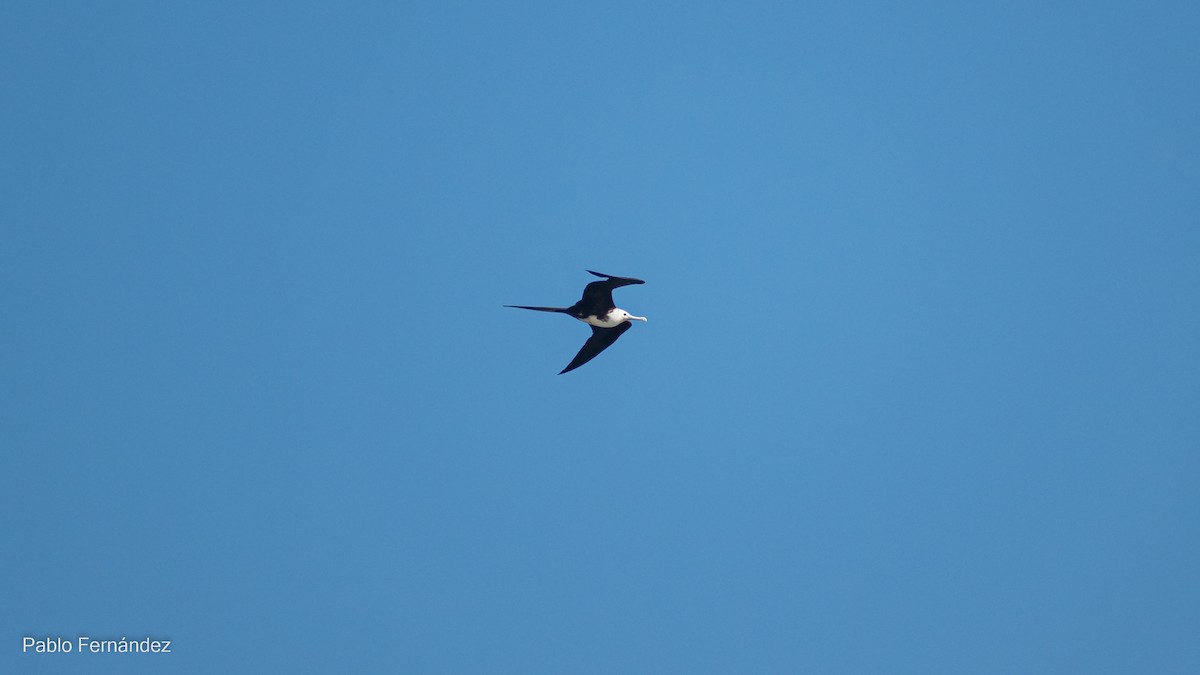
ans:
x=918 y=393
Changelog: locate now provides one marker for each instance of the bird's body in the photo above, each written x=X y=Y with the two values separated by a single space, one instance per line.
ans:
x=596 y=308
x=613 y=318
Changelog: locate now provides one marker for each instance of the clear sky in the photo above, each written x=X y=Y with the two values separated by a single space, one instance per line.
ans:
x=919 y=391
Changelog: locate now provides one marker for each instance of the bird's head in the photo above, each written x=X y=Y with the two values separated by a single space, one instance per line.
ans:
x=626 y=316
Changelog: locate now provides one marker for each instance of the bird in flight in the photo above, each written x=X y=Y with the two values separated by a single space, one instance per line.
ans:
x=596 y=308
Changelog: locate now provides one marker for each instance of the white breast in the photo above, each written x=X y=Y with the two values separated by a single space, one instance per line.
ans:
x=613 y=318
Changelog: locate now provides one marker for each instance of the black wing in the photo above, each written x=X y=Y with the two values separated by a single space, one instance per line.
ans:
x=601 y=339
x=598 y=294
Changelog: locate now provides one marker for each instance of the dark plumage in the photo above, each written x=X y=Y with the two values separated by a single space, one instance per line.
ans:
x=596 y=308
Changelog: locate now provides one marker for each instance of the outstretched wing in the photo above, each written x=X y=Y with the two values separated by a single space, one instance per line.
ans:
x=599 y=293
x=601 y=339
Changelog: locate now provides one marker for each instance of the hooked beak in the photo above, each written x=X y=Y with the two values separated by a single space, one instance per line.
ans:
x=637 y=318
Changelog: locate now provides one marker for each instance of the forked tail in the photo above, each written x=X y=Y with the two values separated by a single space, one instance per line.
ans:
x=540 y=309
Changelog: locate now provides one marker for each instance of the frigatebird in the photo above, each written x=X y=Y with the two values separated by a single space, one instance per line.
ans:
x=596 y=308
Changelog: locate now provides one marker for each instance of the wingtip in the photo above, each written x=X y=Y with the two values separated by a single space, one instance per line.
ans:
x=610 y=276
